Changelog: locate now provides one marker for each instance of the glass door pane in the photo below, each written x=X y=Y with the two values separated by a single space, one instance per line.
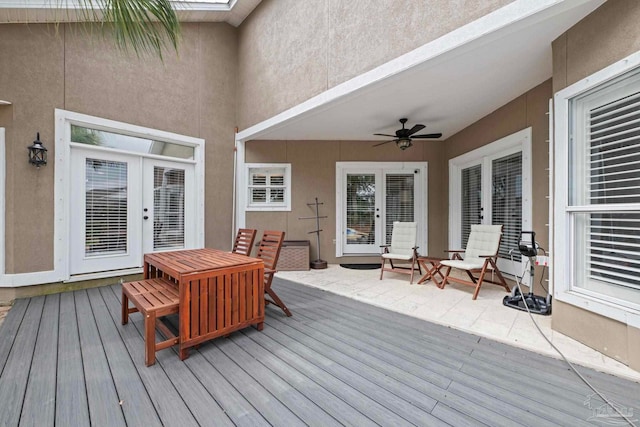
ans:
x=106 y=207
x=399 y=201
x=471 y=200
x=506 y=202
x=168 y=208
x=360 y=213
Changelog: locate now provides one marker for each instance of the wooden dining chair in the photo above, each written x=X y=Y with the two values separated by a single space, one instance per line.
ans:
x=244 y=241
x=269 y=251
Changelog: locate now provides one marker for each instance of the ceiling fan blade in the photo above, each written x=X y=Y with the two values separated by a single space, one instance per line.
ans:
x=384 y=134
x=391 y=140
x=427 y=135
x=415 y=129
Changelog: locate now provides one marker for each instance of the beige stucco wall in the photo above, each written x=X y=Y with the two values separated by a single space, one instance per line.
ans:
x=32 y=79
x=607 y=35
x=191 y=94
x=291 y=50
x=313 y=174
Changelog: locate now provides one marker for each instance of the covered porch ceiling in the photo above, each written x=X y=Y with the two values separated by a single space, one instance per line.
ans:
x=446 y=84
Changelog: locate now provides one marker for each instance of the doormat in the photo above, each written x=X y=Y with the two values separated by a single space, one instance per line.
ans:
x=360 y=266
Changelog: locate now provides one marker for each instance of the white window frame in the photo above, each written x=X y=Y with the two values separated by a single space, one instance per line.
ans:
x=384 y=167
x=510 y=144
x=63 y=121
x=267 y=205
x=562 y=250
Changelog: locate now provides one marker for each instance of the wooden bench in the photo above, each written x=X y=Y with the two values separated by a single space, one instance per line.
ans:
x=153 y=298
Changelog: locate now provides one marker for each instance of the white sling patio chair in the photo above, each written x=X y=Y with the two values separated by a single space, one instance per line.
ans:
x=479 y=258
x=403 y=248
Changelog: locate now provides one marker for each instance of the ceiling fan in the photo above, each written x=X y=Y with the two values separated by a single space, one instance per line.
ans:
x=403 y=136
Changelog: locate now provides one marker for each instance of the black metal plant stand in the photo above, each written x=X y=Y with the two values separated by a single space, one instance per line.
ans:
x=318 y=264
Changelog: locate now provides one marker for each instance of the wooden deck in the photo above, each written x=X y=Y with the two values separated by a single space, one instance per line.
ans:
x=66 y=360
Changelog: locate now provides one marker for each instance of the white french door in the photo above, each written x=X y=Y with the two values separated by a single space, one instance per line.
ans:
x=492 y=185
x=370 y=197
x=125 y=205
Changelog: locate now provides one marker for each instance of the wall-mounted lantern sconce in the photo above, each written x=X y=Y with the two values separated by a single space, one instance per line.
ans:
x=37 y=152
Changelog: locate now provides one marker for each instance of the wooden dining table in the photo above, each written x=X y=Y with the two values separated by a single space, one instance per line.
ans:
x=220 y=292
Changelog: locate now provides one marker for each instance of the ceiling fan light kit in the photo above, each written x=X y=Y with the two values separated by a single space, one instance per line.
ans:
x=404 y=143
x=403 y=137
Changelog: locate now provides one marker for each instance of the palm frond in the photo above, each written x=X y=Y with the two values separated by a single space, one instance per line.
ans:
x=142 y=25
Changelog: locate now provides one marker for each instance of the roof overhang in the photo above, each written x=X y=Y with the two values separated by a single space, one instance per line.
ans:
x=446 y=84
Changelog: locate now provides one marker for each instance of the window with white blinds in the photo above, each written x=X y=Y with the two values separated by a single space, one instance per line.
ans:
x=105 y=207
x=605 y=188
x=471 y=200
x=168 y=208
x=506 y=203
x=269 y=187
x=399 y=201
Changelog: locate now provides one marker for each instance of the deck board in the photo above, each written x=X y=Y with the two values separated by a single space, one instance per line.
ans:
x=39 y=404
x=260 y=398
x=66 y=359
x=329 y=402
x=496 y=379
x=72 y=408
x=386 y=341
x=134 y=400
x=387 y=391
x=304 y=408
x=542 y=369
x=168 y=402
x=339 y=386
x=102 y=397
x=15 y=374
x=10 y=328
x=443 y=393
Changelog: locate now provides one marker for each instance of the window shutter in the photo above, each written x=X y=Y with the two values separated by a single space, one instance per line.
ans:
x=276 y=190
x=471 y=200
x=506 y=205
x=105 y=207
x=258 y=188
x=168 y=208
x=399 y=201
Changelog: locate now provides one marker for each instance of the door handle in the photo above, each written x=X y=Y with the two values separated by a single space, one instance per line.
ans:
x=145 y=217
